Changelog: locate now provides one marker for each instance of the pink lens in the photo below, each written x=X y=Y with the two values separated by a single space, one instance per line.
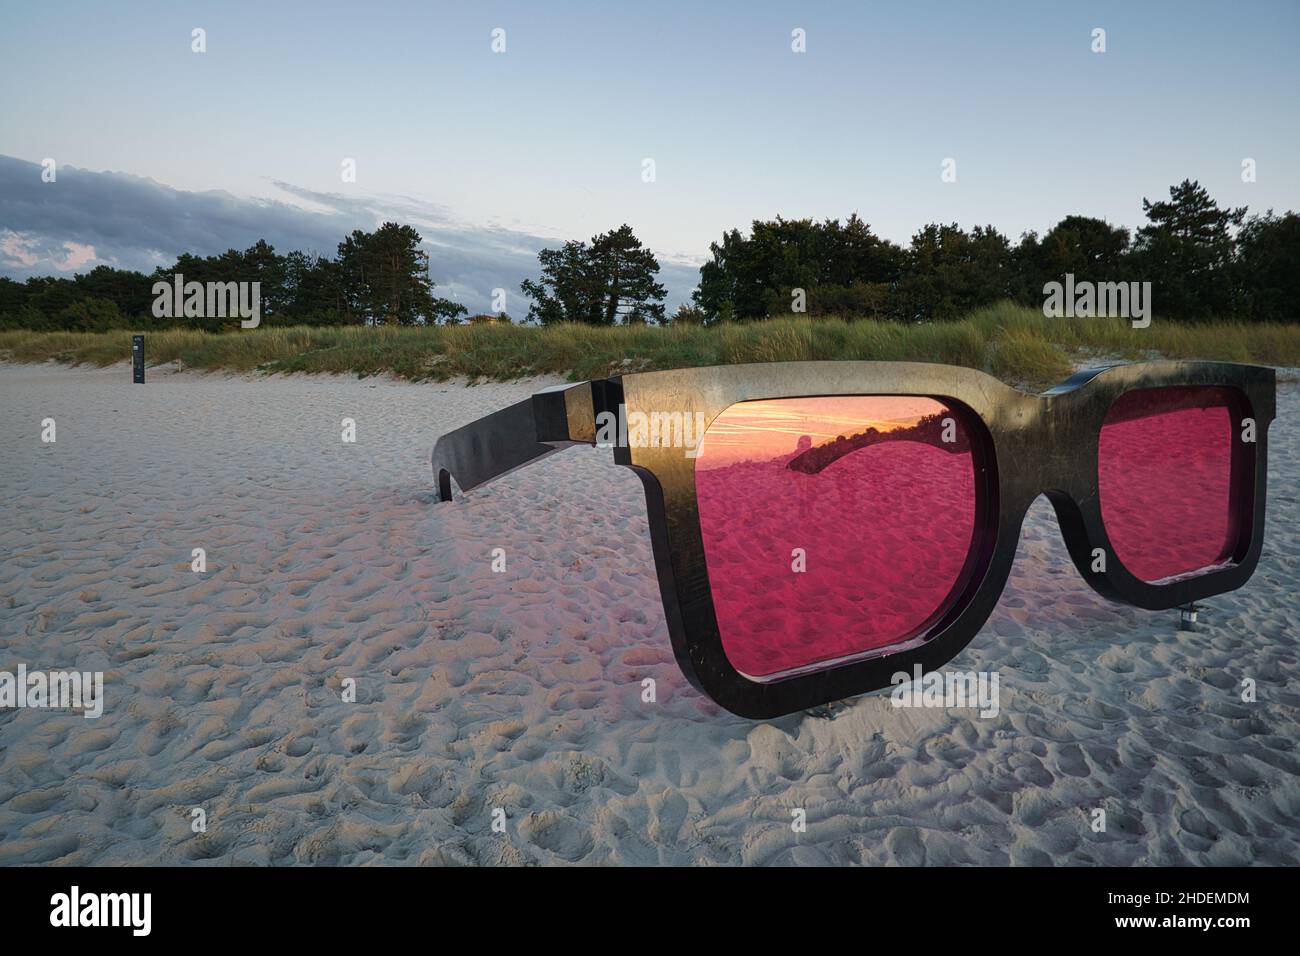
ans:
x=1165 y=473
x=833 y=526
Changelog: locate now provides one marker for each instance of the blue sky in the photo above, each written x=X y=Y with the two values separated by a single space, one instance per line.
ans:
x=546 y=141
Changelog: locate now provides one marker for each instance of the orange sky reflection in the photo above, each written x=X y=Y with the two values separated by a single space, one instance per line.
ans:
x=772 y=428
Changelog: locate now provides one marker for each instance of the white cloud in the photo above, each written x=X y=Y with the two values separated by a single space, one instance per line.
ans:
x=136 y=223
x=27 y=251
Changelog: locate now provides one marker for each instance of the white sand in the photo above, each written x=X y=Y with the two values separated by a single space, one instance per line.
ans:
x=522 y=690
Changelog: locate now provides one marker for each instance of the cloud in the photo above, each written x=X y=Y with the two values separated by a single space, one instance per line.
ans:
x=87 y=218
x=18 y=251
x=36 y=255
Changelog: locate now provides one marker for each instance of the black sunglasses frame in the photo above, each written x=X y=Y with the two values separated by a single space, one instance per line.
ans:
x=1022 y=446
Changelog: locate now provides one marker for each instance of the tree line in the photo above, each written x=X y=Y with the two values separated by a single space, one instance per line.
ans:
x=376 y=278
x=1202 y=261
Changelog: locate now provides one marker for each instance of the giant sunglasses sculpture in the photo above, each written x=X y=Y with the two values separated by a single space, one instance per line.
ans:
x=840 y=522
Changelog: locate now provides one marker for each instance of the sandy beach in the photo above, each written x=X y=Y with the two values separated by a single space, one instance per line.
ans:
x=521 y=690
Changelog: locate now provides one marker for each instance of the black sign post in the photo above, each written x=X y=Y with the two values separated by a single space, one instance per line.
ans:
x=137 y=359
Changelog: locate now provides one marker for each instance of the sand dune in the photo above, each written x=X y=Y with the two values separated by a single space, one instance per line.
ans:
x=522 y=690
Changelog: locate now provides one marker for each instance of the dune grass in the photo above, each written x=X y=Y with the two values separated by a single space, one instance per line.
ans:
x=1015 y=343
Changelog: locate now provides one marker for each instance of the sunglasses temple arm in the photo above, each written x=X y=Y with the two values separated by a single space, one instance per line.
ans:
x=519 y=435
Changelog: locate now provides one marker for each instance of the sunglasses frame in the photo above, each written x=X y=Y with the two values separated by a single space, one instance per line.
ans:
x=1022 y=446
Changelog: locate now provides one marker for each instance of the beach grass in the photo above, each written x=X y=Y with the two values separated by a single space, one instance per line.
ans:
x=1016 y=343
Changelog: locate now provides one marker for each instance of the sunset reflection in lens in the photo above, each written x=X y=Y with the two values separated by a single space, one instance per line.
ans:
x=832 y=526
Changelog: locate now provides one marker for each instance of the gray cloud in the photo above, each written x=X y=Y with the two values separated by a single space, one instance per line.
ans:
x=136 y=223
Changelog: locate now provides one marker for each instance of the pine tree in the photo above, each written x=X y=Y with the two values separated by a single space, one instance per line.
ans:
x=608 y=281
